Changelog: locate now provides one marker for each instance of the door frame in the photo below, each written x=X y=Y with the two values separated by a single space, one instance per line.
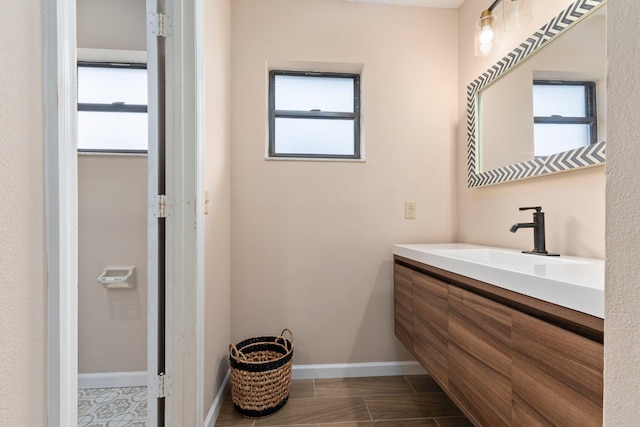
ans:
x=61 y=211
x=185 y=188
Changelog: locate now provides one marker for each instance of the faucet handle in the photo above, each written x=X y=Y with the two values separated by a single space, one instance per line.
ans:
x=538 y=209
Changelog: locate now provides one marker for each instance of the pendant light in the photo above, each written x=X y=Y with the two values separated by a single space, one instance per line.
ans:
x=516 y=14
x=486 y=34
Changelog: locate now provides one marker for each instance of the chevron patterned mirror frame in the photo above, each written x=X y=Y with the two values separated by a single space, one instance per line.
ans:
x=590 y=155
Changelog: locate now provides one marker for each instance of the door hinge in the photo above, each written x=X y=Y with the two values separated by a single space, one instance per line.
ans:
x=159 y=24
x=160 y=206
x=159 y=386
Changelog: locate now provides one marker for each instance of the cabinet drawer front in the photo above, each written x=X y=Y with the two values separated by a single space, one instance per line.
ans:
x=430 y=324
x=403 y=325
x=403 y=301
x=438 y=289
x=402 y=275
x=480 y=356
x=403 y=288
x=557 y=375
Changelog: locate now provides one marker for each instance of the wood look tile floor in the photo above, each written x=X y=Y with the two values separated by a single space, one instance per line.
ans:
x=396 y=401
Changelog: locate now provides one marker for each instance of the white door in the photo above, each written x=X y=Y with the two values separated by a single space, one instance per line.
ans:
x=176 y=223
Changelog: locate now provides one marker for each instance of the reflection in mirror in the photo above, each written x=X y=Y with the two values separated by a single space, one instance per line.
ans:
x=551 y=102
x=564 y=115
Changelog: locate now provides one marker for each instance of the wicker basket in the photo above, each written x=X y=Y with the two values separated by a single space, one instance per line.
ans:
x=261 y=374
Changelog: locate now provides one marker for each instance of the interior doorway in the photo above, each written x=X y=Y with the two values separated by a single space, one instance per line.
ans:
x=183 y=185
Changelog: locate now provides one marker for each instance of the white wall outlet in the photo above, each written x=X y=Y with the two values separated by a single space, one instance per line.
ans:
x=410 y=210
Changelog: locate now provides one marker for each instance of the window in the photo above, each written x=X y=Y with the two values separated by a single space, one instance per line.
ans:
x=564 y=116
x=314 y=115
x=112 y=107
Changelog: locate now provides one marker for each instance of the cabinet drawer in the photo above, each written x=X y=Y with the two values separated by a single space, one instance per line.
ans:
x=557 y=376
x=430 y=324
x=403 y=297
x=480 y=356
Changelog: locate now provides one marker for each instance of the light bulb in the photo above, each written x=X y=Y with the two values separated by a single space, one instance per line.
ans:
x=485 y=48
x=486 y=36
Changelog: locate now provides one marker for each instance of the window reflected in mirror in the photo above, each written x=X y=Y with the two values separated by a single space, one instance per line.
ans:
x=564 y=116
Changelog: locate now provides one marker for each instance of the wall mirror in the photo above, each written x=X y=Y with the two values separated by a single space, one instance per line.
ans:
x=541 y=109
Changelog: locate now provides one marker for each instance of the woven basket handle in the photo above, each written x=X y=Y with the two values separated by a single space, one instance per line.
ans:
x=284 y=340
x=236 y=354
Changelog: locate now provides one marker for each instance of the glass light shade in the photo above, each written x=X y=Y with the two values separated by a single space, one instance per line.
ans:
x=516 y=14
x=486 y=35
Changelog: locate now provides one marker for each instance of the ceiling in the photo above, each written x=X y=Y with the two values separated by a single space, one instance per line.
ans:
x=453 y=4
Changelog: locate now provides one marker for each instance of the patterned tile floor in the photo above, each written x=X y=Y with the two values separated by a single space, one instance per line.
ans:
x=112 y=407
x=396 y=401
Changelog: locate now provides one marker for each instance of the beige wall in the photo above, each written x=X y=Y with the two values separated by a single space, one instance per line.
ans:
x=217 y=181
x=574 y=202
x=622 y=302
x=112 y=227
x=112 y=231
x=22 y=234
x=311 y=241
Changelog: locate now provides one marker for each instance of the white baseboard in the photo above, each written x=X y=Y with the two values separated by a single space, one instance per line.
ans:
x=112 y=379
x=214 y=411
x=346 y=370
x=338 y=370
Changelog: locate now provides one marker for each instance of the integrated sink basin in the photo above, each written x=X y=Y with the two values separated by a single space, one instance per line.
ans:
x=491 y=256
x=572 y=282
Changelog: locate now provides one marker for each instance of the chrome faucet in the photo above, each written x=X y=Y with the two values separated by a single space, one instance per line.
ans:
x=538 y=231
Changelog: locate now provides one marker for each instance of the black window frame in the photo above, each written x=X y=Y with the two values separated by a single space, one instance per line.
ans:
x=590 y=102
x=115 y=107
x=314 y=114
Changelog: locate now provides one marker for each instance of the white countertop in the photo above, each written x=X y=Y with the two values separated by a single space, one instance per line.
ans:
x=572 y=282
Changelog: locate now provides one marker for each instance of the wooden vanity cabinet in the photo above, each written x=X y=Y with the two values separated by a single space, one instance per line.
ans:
x=505 y=359
x=480 y=356
x=402 y=303
x=430 y=324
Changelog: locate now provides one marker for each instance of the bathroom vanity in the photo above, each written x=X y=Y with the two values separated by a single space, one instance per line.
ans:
x=514 y=339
